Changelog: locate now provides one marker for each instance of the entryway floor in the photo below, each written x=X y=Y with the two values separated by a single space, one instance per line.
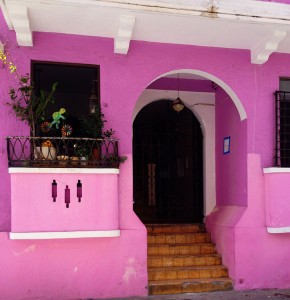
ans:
x=274 y=294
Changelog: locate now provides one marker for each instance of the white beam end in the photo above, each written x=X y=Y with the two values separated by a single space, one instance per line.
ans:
x=21 y=25
x=124 y=34
x=262 y=51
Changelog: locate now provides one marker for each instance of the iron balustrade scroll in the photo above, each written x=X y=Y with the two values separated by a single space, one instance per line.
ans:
x=282 y=120
x=62 y=152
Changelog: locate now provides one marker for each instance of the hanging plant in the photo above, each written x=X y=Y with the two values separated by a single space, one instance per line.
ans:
x=26 y=104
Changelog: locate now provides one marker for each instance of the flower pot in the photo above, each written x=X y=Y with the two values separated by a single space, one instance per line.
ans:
x=45 y=153
x=84 y=161
x=74 y=160
x=63 y=160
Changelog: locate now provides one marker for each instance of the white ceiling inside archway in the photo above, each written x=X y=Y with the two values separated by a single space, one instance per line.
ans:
x=261 y=27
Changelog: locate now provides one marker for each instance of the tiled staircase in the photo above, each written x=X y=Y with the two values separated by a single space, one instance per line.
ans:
x=182 y=259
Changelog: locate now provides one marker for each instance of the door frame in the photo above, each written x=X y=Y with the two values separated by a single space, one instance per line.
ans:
x=202 y=106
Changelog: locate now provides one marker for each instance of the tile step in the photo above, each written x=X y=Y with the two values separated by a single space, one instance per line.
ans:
x=189 y=286
x=175 y=228
x=183 y=249
x=178 y=238
x=184 y=260
x=168 y=273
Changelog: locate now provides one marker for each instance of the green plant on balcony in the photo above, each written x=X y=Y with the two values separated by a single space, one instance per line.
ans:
x=27 y=105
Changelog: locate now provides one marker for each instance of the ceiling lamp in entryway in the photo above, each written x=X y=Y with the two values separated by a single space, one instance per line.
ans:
x=177 y=104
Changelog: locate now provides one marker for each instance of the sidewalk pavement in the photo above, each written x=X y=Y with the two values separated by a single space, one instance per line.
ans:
x=273 y=294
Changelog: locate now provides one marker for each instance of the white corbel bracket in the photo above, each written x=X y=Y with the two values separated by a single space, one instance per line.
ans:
x=21 y=25
x=124 y=34
x=261 y=52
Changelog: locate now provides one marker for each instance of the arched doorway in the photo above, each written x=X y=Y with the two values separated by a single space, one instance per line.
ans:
x=168 y=165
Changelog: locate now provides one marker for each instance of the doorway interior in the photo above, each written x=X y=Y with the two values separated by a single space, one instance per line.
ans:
x=168 y=165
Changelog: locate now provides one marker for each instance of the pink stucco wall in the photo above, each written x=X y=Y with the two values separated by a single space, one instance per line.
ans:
x=256 y=259
x=88 y=268
x=231 y=168
x=31 y=196
x=183 y=85
x=276 y=199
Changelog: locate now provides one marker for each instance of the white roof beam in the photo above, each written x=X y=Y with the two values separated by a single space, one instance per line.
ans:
x=124 y=34
x=261 y=52
x=21 y=24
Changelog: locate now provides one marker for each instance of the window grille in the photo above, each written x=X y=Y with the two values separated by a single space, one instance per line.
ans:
x=282 y=147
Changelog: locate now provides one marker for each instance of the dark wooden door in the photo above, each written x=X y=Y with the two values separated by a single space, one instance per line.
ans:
x=168 y=165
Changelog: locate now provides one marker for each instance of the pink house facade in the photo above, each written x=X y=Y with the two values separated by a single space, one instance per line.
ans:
x=227 y=69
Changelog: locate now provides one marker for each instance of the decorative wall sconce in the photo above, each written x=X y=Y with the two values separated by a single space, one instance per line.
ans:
x=54 y=190
x=66 y=192
x=67 y=196
x=79 y=190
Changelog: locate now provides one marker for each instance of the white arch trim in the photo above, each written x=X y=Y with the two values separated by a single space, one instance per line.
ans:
x=229 y=91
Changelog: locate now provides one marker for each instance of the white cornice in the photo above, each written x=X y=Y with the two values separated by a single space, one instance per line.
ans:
x=247 y=24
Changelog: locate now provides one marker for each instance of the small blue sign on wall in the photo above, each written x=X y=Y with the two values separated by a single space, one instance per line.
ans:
x=227 y=145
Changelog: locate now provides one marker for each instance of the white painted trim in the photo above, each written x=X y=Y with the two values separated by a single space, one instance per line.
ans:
x=278 y=229
x=63 y=171
x=228 y=90
x=276 y=170
x=246 y=10
x=63 y=235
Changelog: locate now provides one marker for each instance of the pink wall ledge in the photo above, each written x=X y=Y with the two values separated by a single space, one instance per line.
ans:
x=277 y=199
x=33 y=209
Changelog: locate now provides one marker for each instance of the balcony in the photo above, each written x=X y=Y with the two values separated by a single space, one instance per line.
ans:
x=63 y=187
x=62 y=152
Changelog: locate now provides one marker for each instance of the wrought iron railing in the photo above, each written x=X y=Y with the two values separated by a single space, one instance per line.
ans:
x=282 y=147
x=60 y=152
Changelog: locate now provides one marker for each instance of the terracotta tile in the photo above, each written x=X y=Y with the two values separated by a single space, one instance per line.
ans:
x=151 y=239
x=160 y=239
x=194 y=249
x=174 y=250
x=167 y=261
x=178 y=261
x=163 y=250
x=180 y=239
x=184 y=249
x=200 y=261
x=152 y=250
x=159 y=275
x=170 y=239
x=200 y=238
x=205 y=273
x=171 y=274
x=154 y=262
x=208 y=238
x=194 y=274
x=182 y=274
x=189 y=261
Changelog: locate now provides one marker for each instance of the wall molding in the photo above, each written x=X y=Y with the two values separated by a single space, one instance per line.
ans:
x=63 y=235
